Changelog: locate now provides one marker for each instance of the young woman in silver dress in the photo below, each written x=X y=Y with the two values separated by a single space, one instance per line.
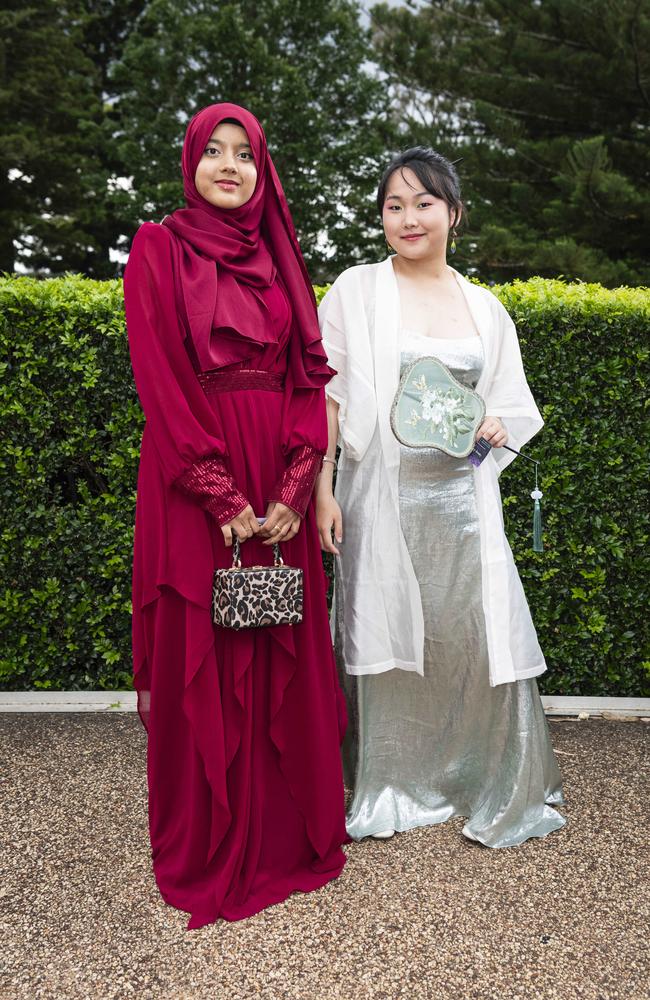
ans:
x=437 y=649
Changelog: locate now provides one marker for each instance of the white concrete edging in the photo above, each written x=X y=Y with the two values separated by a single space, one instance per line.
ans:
x=608 y=707
x=125 y=701
x=67 y=701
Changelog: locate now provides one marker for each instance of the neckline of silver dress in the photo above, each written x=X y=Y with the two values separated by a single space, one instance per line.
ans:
x=407 y=333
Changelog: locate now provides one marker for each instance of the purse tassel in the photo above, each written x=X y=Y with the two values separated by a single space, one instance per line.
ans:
x=538 y=539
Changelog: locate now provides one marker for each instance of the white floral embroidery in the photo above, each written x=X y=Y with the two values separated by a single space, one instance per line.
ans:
x=446 y=410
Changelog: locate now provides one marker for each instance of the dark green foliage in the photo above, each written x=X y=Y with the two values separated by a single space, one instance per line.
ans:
x=58 y=207
x=298 y=65
x=47 y=106
x=547 y=106
x=71 y=425
x=586 y=353
x=95 y=96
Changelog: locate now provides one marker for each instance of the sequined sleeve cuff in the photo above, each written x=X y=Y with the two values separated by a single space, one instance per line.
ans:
x=297 y=484
x=211 y=484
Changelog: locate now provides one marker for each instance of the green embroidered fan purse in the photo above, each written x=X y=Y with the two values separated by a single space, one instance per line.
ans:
x=432 y=409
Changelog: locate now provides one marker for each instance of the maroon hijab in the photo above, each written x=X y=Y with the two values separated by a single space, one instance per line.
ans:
x=250 y=246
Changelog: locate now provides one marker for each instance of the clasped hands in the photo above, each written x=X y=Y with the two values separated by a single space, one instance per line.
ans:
x=281 y=524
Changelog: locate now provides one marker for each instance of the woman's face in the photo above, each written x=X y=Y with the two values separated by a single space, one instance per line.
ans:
x=416 y=223
x=226 y=174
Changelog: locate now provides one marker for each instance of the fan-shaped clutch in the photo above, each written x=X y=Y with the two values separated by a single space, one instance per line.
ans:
x=432 y=409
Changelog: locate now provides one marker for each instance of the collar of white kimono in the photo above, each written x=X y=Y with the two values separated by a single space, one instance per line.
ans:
x=387 y=304
x=388 y=296
x=386 y=356
x=476 y=303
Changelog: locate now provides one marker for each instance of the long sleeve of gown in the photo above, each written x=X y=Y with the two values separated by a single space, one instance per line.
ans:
x=189 y=445
x=297 y=484
x=210 y=482
x=304 y=441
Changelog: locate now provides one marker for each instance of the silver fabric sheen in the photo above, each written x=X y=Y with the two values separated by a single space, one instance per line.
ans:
x=421 y=749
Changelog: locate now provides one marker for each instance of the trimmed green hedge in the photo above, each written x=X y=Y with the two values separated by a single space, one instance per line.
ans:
x=71 y=428
x=585 y=350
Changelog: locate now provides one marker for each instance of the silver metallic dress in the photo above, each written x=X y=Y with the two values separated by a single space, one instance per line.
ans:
x=422 y=749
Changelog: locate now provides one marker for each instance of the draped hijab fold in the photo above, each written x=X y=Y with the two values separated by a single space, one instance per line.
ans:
x=226 y=259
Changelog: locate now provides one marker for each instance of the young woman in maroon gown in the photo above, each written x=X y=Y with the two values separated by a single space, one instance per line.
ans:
x=244 y=727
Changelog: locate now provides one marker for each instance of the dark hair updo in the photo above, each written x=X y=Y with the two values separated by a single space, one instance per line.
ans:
x=436 y=174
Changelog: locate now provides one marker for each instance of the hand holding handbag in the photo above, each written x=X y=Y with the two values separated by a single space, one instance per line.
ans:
x=254 y=596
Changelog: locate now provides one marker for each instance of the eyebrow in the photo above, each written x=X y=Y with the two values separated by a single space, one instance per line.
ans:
x=397 y=197
x=241 y=145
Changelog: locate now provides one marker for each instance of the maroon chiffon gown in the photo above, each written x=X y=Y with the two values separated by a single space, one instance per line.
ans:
x=244 y=727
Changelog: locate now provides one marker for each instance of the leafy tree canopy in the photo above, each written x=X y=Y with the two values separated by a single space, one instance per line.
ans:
x=296 y=64
x=546 y=104
x=57 y=210
x=95 y=96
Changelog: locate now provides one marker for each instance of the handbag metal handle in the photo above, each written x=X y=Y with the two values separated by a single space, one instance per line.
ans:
x=236 y=554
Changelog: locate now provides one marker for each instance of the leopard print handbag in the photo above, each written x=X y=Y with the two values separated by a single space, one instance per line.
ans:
x=253 y=596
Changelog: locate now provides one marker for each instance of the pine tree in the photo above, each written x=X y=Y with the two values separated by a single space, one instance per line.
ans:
x=546 y=105
x=46 y=104
x=57 y=210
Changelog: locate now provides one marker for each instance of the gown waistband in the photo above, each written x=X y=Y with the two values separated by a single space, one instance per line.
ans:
x=242 y=378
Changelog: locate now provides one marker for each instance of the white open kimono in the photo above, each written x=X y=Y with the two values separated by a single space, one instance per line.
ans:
x=383 y=622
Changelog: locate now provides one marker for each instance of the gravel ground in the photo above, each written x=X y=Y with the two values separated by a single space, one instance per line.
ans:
x=425 y=916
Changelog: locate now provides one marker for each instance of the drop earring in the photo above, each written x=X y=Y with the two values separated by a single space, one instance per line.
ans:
x=452 y=248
